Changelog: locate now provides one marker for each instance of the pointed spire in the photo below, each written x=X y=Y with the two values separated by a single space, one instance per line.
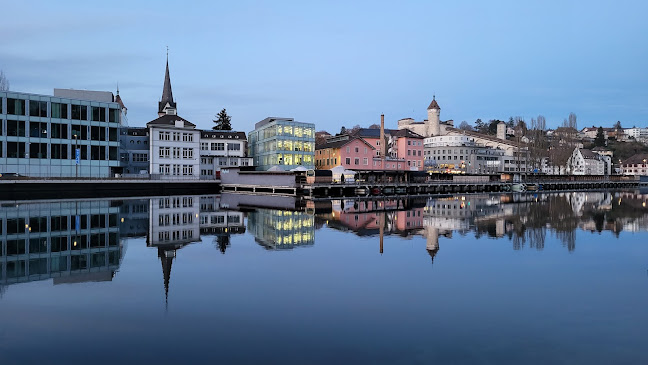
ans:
x=167 y=261
x=167 y=93
x=434 y=104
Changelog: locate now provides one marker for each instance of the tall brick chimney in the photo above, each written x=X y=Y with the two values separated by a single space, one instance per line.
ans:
x=382 y=136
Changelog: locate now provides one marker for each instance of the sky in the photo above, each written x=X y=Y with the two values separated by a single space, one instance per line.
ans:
x=336 y=63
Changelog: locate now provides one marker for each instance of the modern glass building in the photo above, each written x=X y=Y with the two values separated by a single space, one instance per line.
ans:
x=282 y=142
x=40 y=134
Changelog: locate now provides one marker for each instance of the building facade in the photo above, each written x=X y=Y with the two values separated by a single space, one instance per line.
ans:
x=461 y=155
x=40 y=134
x=636 y=165
x=585 y=162
x=282 y=142
x=134 y=154
x=222 y=149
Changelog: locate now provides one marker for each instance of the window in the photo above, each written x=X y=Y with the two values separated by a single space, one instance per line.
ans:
x=15 y=106
x=97 y=153
x=218 y=146
x=37 y=129
x=37 y=108
x=348 y=161
x=16 y=128
x=38 y=150
x=58 y=110
x=81 y=132
x=165 y=152
x=204 y=146
x=357 y=150
x=113 y=115
x=356 y=161
x=16 y=149
x=98 y=114
x=58 y=131
x=98 y=133
x=112 y=153
x=112 y=135
x=233 y=146
x=365 y=161
x=79 y=112
x=59 y=151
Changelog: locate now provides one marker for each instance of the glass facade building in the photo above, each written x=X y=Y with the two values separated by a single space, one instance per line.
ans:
x=282 y=142
x=40 y=134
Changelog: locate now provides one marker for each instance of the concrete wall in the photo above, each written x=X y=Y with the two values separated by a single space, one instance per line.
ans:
x=232 y=176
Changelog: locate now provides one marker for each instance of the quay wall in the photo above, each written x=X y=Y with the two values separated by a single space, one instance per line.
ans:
x=47 y=189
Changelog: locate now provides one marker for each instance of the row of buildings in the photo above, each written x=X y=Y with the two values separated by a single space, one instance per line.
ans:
x=79 y=133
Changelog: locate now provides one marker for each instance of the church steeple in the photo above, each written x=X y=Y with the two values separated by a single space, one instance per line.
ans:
x=167 y=105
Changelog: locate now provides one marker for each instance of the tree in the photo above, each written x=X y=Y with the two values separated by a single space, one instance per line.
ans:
x=223 y=121
x=374 y=126
x=465 y=126
x=355 y=129
x=541 y=123
x=617 y=125
x=571 y=122
x=343 y=130
x=4 y=83
x=480 y=126
x=599 y=141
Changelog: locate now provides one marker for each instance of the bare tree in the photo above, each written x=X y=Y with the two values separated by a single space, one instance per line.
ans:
x=572 y=121
x=4 y=83
x=465 y=126
x=374 y=126
x=541 y=123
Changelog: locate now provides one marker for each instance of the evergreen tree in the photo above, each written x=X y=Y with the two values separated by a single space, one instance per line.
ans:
x=223 y=121
x=599 y=141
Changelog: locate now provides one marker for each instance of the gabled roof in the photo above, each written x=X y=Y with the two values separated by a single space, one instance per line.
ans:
x=223 y=134
x=588 y=154
x=169 y=120
x=636 y=159
x=406 y=133
x=340 y=141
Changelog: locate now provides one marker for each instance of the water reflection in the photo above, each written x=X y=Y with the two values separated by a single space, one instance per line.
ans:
x=82 y=241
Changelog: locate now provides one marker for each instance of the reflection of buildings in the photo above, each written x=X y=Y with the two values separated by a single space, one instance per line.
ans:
x=276 y=229
x=67 y=241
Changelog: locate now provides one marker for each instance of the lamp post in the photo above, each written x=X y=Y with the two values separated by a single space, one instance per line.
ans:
x=77 y=155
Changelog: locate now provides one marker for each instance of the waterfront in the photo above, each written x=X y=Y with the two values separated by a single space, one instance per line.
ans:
x=497 y=278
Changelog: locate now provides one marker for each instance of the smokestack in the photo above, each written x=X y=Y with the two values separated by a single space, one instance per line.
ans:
x=382 y=136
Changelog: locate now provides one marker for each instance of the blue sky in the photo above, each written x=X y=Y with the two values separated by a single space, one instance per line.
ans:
x=337 y=63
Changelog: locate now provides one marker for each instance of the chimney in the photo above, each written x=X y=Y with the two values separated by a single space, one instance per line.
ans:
x=382 y=136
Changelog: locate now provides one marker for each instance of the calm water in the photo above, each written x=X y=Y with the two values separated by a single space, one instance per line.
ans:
x=503 y=279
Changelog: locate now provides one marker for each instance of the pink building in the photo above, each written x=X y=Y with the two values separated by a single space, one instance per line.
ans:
x=361 y=151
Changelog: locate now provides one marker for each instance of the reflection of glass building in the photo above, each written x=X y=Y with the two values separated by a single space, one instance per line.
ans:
x=277 y=229
x=282 y=142
x=68 y=241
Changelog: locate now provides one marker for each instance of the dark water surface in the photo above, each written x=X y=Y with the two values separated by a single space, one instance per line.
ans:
x=502 y=279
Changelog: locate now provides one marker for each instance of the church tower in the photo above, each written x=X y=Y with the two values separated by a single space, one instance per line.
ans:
x=167 y=105
x=434 y=112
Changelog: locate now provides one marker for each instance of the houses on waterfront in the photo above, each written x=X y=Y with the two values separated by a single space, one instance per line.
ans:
x=83 y=134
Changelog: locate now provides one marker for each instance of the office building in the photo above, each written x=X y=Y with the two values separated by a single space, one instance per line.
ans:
x=41 y=134
x=283 y=143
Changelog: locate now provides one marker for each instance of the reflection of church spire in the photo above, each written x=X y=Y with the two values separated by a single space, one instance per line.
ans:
x=166 y=257
x=433 y=252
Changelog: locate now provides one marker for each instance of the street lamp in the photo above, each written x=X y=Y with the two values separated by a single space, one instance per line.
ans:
x=77 y=154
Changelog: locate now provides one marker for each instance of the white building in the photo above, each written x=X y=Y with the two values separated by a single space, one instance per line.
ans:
x=636 y=133
x=585 y=162
x=222 y=149
x=635 y=165
x=174 y=148
x=460 y=154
